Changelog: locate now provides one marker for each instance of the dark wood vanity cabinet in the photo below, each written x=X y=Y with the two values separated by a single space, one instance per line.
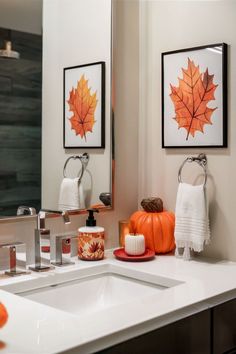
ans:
x=211 y=331
x=190 y=335
x=224 y=328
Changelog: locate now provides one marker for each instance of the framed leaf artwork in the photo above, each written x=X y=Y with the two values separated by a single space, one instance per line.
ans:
x=84 y=106
x=194 y=97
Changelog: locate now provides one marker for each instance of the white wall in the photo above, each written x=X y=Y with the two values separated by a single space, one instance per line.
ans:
x=172 y=25
x=21 y=15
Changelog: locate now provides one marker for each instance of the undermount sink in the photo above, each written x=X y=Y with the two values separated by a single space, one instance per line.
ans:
x=96 y=292
x=92 y=294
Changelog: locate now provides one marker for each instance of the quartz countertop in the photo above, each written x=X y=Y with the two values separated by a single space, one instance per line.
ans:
x=36 y=328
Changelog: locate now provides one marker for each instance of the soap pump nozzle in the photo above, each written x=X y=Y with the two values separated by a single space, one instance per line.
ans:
x=91 y=221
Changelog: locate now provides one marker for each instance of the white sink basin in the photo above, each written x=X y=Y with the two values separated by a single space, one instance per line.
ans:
x=88 y=291
x=92 y=294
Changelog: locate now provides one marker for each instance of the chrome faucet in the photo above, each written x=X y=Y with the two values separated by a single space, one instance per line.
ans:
x=41 y=230
x=59 y=260
x=13 y=271
x=63 y=213
x=12 y=247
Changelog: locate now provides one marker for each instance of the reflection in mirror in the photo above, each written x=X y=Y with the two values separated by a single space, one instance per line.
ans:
x=74 y=100
x=21 y=159
x=20 y=114
x=71 y=191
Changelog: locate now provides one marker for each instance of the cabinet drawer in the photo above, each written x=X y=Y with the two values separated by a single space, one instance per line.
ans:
x=188 y=336
x=224 y=328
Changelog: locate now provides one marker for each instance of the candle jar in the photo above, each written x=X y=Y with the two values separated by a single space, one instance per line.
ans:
x=134 y=245
x=123 y=231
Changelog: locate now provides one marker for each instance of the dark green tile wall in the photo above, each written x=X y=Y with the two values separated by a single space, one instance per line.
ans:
x=20 y=123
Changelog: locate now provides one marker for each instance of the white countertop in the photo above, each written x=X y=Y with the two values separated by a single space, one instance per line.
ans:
x=35 y=328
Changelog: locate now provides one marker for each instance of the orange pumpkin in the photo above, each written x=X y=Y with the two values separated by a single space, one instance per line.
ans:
x=3 y=315
x=156 y=225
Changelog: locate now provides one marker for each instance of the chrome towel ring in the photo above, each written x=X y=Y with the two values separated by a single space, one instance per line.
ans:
x=84 y=159
x=201 y=159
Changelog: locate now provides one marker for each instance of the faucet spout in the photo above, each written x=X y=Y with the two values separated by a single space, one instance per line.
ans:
x=64 y=213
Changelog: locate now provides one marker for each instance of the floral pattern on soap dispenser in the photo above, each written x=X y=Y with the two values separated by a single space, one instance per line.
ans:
x=91 y=246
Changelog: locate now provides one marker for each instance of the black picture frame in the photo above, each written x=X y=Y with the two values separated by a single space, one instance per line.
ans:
x=84 y=106
x=211 y=60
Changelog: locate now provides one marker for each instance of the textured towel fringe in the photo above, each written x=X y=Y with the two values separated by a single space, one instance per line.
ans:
x=187 y=246
x=186 y=254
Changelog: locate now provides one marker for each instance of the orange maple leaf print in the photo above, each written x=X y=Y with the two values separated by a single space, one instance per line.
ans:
x=83 y=105
x=191 y=98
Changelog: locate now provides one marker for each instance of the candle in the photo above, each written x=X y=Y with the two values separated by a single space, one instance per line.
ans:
x=134 y=245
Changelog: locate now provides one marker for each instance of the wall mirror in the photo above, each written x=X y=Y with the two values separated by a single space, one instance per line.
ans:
x=36 y=104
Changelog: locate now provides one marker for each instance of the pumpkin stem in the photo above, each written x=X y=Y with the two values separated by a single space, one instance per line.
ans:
x=152 y=205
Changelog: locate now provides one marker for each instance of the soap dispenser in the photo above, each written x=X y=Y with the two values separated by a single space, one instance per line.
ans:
x=91 y=239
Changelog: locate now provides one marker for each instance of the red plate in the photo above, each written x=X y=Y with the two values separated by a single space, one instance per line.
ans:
x=122 y=256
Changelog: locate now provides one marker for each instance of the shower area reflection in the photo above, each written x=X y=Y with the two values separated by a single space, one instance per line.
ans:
x=20 y=123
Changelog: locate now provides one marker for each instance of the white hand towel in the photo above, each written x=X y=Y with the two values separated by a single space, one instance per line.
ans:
x=71 y=194
x=191 y=219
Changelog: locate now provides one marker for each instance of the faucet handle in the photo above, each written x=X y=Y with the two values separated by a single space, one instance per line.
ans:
x=60 y=262
x=12 y=249
x=38 y=266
